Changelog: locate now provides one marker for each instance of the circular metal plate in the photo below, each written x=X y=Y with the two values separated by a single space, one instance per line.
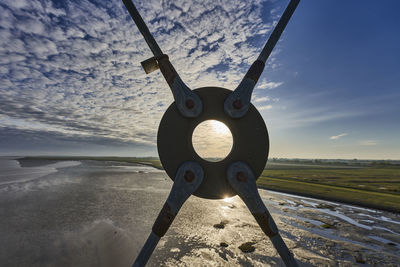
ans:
x=250 y=142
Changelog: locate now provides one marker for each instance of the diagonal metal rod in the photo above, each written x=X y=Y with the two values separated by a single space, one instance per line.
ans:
x=237 y=103
x=189 y=104
x=151 y=42
x=188 y=178
x=276 y=34
x=241 y=178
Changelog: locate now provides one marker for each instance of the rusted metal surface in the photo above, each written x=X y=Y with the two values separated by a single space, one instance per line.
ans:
x=245 y=89
x=245 y=188
x=237 y=104
x=150 y=65
x=164 y=220
x=247 y=191
x=151 y=42
x=174 y=142
x=266 y=223
x=237 y=173
x=167 y=69
x=255 y=71
x=147 y=250
x=241 y=177
x=280 y=27
x=188 y=178
x=183 y=188
x=188 y=103
x=283 y=251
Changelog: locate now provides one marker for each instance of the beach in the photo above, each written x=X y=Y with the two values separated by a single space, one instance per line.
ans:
x=99 y=213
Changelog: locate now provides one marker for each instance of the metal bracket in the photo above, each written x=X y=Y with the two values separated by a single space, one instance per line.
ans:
x=150 y=65
x=188 y=178
x=189 y=175
x=242 y=180
x=189 y=103
x=174 y=142
x=237 y=103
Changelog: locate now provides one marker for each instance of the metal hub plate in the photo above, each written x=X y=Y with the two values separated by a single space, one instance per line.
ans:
x=250 y=142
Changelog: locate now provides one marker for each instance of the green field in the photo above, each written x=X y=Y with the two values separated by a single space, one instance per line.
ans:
x=376 y=186
x=368 y=184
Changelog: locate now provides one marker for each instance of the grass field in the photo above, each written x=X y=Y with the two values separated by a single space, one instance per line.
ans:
x=368 y=185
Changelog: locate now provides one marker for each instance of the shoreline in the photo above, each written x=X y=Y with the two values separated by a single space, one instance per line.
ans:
x=156 y=165
x=332 y=199
x=28 y=161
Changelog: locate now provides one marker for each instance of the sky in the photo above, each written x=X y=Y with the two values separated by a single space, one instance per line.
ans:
x=71 y=81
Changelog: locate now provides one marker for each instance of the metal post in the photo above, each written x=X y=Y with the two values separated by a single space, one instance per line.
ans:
x=242 y=180
x=238 y=102
x=188 y=103
x=276 y=34
x=188 y=178
x=151 y=42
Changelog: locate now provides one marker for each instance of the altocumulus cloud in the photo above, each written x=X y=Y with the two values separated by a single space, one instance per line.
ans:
x=334 y=137
x=70 y=69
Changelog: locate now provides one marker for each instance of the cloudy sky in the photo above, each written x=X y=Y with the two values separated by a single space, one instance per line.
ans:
x=71 y=81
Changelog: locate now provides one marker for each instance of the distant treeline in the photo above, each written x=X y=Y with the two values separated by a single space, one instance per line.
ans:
x=156 y=161
x=344 y=162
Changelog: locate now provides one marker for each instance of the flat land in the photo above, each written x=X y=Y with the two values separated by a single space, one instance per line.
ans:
x=32 y=161
x=368 y=185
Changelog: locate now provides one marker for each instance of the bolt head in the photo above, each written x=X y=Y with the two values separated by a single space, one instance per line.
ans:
x=237 y=104
x=189 y=176
x=241 y=177
x=189 y=103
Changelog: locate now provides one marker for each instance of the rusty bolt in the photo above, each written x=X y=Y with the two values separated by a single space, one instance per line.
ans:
x=237 y=104
x=189 y=176
x=241 y=177
x=189 y=103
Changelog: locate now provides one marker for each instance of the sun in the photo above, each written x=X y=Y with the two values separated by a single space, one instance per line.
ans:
x=212 y=140
x=219 y=127
x=228 y=199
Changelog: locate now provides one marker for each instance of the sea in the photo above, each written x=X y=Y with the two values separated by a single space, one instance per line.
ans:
x=95 y=213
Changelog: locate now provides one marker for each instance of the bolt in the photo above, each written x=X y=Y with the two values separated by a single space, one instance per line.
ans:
x=241 y=177
x=189 y=103
x=189 y=176
x=237 y=104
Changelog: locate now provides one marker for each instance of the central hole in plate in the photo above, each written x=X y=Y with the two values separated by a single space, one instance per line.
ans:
x=212 y=140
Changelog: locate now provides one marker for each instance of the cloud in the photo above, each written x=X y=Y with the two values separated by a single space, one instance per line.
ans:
x=368 y=142
x=266 y=107
x=268 y=85
x=335 y=137
x=72 y=69
x=261 y=99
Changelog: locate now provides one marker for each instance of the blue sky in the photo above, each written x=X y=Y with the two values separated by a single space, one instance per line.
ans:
x=71 y=81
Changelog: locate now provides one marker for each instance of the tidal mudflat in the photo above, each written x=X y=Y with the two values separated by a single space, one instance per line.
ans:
x=92 y=213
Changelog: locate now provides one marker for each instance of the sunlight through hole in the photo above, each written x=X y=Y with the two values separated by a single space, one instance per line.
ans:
x=212 y=140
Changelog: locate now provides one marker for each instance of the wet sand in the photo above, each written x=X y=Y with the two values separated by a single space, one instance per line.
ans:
x=100 y=213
